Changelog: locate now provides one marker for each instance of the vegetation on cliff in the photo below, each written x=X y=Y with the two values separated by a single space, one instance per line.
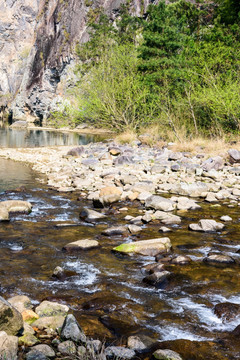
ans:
x=177 y=68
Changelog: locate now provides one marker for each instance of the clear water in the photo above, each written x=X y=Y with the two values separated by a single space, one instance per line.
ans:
x=15 y=138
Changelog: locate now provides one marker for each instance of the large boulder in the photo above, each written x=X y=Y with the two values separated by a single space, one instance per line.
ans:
x=159 y=203
x=11 y=320
x=206 y=225
x=8 y=346
x=150 y=247
x=85 y=244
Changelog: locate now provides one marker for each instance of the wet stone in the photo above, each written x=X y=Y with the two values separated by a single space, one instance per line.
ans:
x=157 y=278
x=166 y=355
x=67 y=348
x=113 y=352
x=227 y=311
x=115 y=230
x=72 y=331
x=219 y=258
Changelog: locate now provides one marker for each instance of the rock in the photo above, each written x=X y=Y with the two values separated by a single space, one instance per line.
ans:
x=58 y=273
x=67 y=348
x=115 y=230
x=147 y=218
x=219 y=258
x=94 y=345
x=225 y=218
x=210 y=197
x=72 y=331
x=49 y=308
x=227 y=311
x=206 y=225
x=119 y=352
x=159 y=203
x=20 y=302
x=157 y=278
x=166 y=355
x=123 y=159
x=135 y=343
x=35 y=355
x=16 y=206
x=115 y=151
x=183 y=203
x=215 y=163
x=11 y=320
x=175 y=167
x=77 y=151
x=133 y=229
x=45 y=349
x=51 y=323
x=150 y=247
x=166 y=218
x=27 y=329
x=82 y=352
x=139 y=343
x=181 y=260
x=234 y=156
x=85 y=244
x=8 y=346
x=28 y=340
x=29 y=316
x=4 y=214
x=143 y=195
x=91 y=215
x=19 y=125
x=152 y=268
x=164 y=229
x=192 y=190
x=110 y=194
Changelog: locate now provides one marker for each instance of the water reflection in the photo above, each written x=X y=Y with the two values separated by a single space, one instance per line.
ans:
x=15 y=138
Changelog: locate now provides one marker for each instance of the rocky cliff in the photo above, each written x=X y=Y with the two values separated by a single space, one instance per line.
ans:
x=37 y=42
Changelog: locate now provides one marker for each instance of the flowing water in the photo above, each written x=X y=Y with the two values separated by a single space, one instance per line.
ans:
x=104 y=290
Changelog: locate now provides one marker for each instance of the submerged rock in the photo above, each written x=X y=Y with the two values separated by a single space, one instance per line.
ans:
x=11 y=320
x=157 y=278
x=206 y=225
x=227 y=311
x=150 y=247
x=219 y=258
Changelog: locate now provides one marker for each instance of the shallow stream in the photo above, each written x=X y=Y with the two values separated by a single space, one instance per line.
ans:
x=104 y=290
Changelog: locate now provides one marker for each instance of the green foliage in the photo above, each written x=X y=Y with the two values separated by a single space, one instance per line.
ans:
x=111 y=95
x=179 y=68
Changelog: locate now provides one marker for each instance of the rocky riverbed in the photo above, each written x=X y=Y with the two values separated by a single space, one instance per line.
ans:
x=176 y=215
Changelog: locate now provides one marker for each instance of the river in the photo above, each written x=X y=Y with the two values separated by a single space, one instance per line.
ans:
x=104 y=290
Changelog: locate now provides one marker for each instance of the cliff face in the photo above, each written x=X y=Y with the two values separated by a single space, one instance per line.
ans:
x=37 y=42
